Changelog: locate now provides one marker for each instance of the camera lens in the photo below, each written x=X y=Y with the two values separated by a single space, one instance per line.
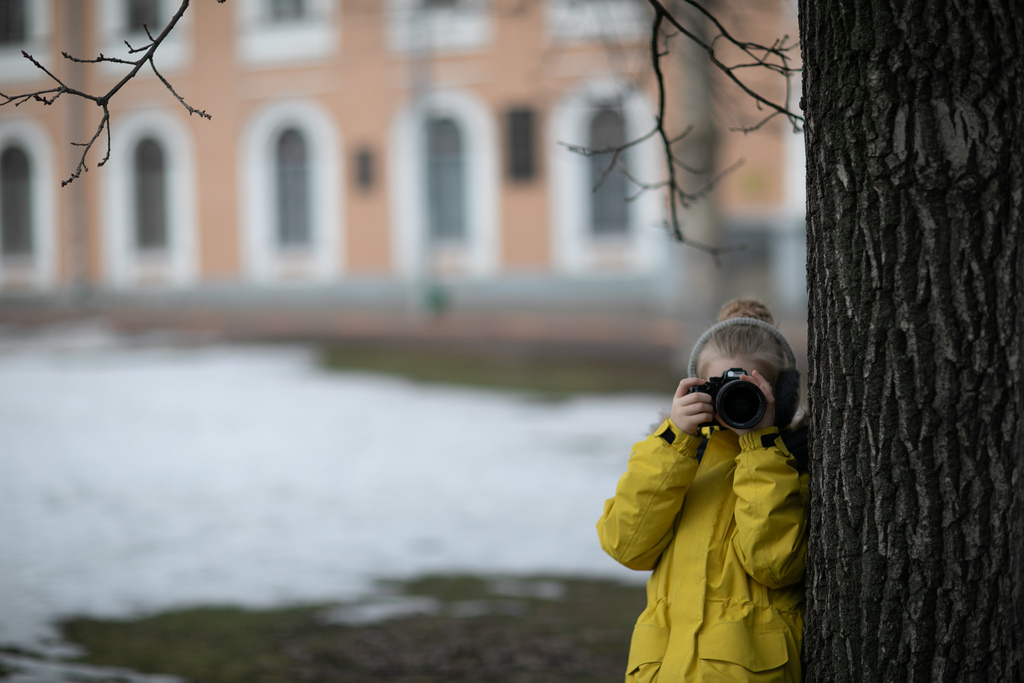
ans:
x=740 y=404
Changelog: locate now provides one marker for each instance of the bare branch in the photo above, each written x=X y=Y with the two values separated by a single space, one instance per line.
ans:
x=97 y=60
x=147 y=52
x=748 y=48
x=714 y=252
x=42 y=68
x=775 y=58
x=38 y=95
x=607 y=171
x=777 y=49
x=191 y=110
x=687 y=167
x=656 y=57
x=81 y=168
x=590 y=152
x=757 y=126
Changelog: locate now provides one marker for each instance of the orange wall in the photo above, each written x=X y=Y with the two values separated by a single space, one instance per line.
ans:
x=362 y=85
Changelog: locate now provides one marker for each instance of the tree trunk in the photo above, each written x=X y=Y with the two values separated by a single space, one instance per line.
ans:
x=915 y=170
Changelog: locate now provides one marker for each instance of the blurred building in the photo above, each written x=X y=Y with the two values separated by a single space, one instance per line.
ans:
x=383 y=152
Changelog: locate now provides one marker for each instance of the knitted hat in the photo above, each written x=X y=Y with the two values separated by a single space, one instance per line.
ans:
x=787 y=387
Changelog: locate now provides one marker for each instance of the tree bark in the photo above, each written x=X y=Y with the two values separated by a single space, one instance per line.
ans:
x=915 y=168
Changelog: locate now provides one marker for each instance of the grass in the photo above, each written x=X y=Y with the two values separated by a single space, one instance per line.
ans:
x=540 y=630
x=552 y=376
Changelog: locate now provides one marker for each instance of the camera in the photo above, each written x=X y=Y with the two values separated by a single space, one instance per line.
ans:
x=739 y=404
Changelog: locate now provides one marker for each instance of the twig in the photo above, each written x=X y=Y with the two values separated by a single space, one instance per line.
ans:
x=775 y=58
x=748 y=48
x=50 y=95
x=191 y=110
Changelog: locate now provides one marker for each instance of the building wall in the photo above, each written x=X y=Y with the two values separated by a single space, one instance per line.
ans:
x=353 y=78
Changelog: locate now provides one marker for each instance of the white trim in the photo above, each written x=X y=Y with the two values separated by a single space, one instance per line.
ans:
x=40 y=269
x=263 y=41
x=124 y=267
x=589 y=20
x=467 y=26
x=14 y=68
x=112 y=26
x=407 y=156
x=264 y=262
x=576 y=250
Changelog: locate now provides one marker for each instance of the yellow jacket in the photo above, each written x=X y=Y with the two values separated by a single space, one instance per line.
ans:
x=722 y=521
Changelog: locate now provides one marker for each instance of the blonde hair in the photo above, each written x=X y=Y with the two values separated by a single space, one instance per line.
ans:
x=746 y=329
x=752 y=341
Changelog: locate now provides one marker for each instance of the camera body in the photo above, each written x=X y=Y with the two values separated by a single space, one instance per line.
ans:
x=738 y=403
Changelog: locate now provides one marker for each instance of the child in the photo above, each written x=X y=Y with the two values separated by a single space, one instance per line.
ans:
x=720 y=515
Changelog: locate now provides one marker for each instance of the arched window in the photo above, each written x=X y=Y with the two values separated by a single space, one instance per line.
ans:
x=608 y=201
x=446 y=193
x=15 y=203
x=150 y=196
x=143 y=14
x=149 y=203
x=292 y=168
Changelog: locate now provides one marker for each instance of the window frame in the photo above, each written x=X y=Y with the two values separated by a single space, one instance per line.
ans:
x=576 y=250
x=23 y=229
x=125 y=264
x=292 y=205
x=262 y=258
x=412 y=252
x=521 y=144
x=264 y=41
x=466 y=26
x=577 y=21
x=608 y=184
x=150 y=186
x=277 y=12
x=38 y=269
x=445 y=180
x=365 y=168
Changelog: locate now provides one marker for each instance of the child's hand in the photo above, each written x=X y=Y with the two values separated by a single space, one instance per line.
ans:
x=769 y=402
x=690 y=411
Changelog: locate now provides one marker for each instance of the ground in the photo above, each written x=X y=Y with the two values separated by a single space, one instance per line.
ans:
x=441 y=628
x=541 y=630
